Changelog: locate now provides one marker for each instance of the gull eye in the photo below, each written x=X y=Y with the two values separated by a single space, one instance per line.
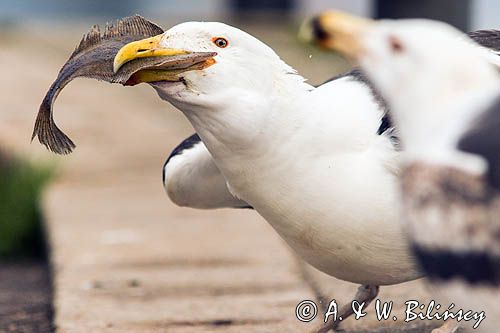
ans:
x=220 y=42
x=395 y=44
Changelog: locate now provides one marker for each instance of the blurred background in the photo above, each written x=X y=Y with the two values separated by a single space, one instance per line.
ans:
x=466 y=14
x=96 y=225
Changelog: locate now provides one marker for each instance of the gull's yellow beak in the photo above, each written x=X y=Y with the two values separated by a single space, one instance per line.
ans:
x=340 y=31
x=149 y=47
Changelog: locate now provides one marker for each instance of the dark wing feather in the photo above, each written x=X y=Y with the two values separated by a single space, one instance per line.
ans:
x=187 y=143
x=487 y=38
x=483 y=138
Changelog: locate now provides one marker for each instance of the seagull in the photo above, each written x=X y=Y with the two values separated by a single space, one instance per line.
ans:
x=311 y=160
x=444 y=96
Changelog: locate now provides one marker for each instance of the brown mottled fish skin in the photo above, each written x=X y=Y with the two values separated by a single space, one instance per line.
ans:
x=93 y=58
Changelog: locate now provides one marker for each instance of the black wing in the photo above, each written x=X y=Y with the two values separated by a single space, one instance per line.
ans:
x=187 y=143
x=483 y=138
x=487 y=38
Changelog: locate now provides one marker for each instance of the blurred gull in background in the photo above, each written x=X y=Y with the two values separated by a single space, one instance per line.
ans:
x=444 y=96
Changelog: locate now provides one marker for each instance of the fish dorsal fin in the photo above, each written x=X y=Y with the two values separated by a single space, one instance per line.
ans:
x=129 y=26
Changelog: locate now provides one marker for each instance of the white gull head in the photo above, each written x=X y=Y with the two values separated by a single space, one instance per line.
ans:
x=242 y=63
x=435 y=80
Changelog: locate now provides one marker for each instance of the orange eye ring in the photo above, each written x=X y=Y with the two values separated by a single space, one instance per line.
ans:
x=220 y=42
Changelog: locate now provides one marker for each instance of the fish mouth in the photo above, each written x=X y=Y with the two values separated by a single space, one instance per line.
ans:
x=169 y=67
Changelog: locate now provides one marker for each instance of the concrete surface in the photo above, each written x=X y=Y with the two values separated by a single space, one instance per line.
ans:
x=25 y=296
x=126 y=259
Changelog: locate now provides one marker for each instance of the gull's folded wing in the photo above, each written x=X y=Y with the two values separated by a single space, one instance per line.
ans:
x=192 y=179
x=489 y=39
x=483 y=139
x=460 y=208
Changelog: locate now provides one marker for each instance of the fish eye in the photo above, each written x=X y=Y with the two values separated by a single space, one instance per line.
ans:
x=220 y=42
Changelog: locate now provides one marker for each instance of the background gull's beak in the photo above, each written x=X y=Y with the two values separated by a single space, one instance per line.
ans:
x=339 y=31
x=149 y=47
